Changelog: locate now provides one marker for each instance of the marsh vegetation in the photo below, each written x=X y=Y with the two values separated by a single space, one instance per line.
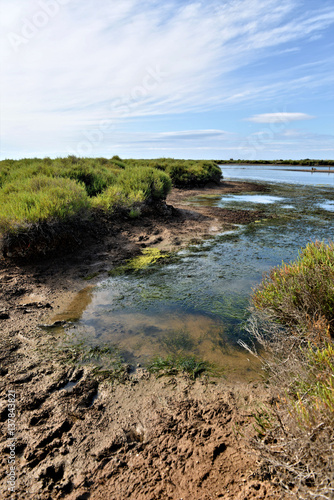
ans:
x=43 y=198
x=293 y=325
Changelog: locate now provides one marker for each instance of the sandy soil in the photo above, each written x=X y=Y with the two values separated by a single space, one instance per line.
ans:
x=77 y=437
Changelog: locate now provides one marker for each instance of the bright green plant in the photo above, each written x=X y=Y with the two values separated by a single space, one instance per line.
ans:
x=298 y=355
x=150 y=182
x=183 y=365
x=39 y=199
x=301 y=294
x=147 y=258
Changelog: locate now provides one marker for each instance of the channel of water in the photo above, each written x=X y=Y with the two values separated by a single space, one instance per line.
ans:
x=197 y=303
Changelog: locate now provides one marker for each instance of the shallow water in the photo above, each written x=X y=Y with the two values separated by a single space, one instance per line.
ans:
x=284 y=173
x=327 y=205
x=227 y=200
x=197 y=302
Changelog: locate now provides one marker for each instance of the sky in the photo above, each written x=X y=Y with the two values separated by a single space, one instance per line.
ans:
x=218 y=79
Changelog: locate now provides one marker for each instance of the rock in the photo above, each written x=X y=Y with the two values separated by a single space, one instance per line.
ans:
x=4 y=315
x=56 y=324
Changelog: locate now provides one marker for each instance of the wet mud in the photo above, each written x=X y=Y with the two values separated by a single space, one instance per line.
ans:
x=78 y=436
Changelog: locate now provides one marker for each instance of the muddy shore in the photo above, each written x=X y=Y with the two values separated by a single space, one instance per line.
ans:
x=77 y=437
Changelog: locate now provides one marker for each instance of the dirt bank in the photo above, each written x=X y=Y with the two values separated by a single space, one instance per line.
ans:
x=77 y=437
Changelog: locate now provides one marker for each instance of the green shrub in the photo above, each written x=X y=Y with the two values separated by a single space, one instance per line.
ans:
x=34 y=190
x=292 y=324
x=134 y=186
x=95 y=178
x=301 y=294
x=150 y=182
x=95 y=174
x=39 y=199
x=114 y=199
x=184 y=173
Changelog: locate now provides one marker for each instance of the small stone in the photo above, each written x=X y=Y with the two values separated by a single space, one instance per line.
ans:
x=56 y=324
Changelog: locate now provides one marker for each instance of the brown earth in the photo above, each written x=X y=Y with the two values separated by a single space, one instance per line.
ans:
x=78 y=437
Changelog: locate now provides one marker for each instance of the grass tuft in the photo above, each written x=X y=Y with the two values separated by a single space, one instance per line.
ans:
x=180 y=365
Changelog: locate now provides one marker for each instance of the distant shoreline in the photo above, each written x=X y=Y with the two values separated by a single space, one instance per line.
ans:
x=311 y=170
x=273 y=167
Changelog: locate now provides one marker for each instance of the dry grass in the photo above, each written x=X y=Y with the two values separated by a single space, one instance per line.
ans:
x=292 y=328
x=296 y=431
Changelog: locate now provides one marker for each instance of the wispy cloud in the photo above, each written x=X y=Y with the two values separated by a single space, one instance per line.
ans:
x=193 y=134
x=89 y=65
x=292 y=144
x=279 y=117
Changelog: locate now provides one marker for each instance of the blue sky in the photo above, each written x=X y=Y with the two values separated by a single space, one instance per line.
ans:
x=248 y=79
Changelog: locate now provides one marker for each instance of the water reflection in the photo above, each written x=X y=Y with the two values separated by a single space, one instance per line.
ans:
x=328 y=205
x=269 y=173
x=141 y=336
x=197 y=304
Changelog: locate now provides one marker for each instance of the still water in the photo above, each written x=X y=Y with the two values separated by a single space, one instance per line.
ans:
x=196 y=303
x=284 y=173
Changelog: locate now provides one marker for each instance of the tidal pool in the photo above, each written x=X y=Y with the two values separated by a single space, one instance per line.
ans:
x=227 y=200
x=327 y=205
x=197 y=302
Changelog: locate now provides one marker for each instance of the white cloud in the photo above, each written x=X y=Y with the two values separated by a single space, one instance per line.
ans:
x=114 y=61
x=279 y=117
x=193 y=134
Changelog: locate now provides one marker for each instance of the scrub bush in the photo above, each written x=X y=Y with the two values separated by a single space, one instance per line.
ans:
x=292 y=324
x=39 y=199
x=301 y=294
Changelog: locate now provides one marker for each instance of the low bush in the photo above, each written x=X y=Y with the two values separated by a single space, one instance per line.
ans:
x=184 y=173
x=93 y=173
x=134 y=186
x=39 y=199
x=95 y=178
x=194 y=174
x=149 y=182
x=292 y=324
x=296 y=437
x=301 y=294
x=38 y=191
x=318 y=407
x=114 y=199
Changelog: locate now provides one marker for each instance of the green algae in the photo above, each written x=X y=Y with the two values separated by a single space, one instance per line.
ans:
x=177 y=342
x=189 y=366
x=196 y=302
x=90 y=276
x=148 y=257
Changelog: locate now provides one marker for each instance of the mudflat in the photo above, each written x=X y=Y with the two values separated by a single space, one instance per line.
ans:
x=78 y=436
